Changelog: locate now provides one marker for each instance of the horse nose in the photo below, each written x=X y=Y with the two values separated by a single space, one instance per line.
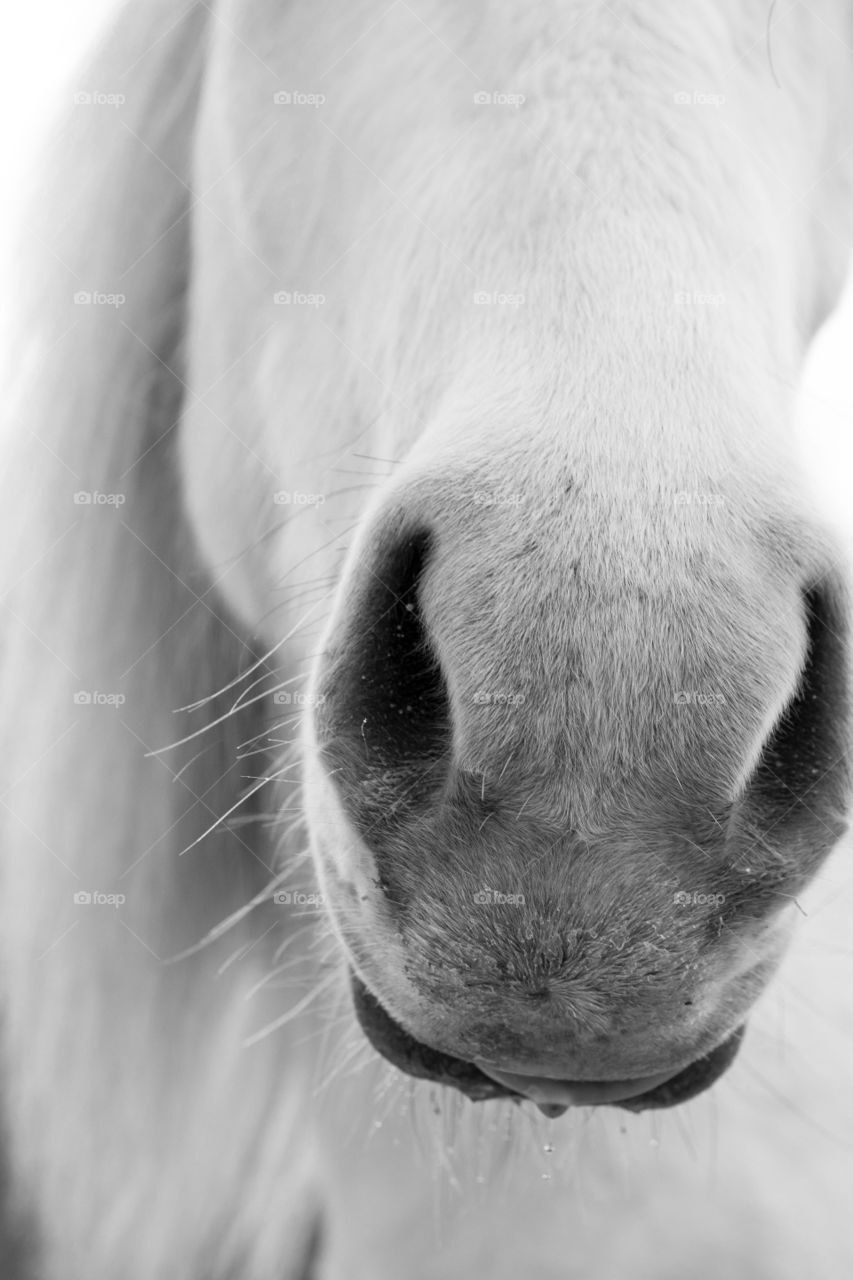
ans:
x=492 y=810
x=482 y=656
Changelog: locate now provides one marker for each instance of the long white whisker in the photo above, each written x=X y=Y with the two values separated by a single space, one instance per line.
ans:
x=297 y=1009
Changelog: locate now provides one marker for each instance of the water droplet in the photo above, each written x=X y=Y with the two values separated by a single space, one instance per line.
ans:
x=546 y=1177
x=548 y=1148
x=654 y=1142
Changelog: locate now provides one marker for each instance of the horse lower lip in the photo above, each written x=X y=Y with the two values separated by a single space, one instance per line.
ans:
x=666 y=1089
x=577 y=1093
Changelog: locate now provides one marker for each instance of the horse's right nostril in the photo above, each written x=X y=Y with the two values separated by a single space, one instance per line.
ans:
x=384 y=724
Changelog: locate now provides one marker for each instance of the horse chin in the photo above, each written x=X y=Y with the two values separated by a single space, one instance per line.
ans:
x=552 y=1096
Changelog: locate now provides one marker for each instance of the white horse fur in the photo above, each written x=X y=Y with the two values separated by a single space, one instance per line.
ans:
x=657 y=201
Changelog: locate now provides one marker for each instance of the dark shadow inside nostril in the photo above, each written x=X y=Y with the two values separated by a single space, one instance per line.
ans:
x=793 y=809
x=812 y=732
x=384 y=724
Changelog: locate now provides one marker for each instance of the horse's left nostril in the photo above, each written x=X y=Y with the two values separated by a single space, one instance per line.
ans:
x=801 y=782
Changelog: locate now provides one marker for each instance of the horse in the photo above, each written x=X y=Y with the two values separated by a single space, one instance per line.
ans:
x=425 y=675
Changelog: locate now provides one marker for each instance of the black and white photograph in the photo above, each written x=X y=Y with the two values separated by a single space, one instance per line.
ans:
x=426 y=617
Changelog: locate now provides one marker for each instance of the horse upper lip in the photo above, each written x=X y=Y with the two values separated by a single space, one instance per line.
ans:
x=552 y=1096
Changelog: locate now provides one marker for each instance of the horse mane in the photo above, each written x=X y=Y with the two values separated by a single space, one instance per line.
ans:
x=111 y=627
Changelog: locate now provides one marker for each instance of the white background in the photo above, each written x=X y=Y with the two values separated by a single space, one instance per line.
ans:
x=43 y=41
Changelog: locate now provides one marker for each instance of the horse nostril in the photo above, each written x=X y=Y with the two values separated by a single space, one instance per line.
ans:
x=384 y=722
x=802 y=776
